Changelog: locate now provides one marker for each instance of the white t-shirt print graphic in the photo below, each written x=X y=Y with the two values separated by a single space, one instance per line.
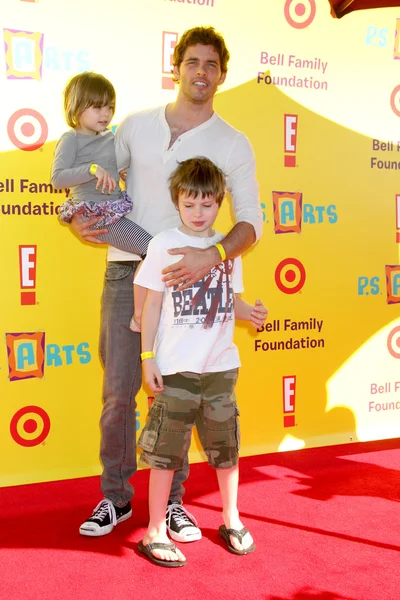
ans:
x=208 y=301
x=196 y=326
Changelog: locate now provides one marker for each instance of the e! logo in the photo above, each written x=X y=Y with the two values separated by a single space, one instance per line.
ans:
x=289 y=400
x=169 y=41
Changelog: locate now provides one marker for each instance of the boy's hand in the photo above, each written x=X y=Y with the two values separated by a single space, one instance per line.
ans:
x=123 y=174
x=104 y=178
x=258 y=315
x=152 y=375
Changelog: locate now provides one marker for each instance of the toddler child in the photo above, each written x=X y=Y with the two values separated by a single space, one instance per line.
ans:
x=85 y=162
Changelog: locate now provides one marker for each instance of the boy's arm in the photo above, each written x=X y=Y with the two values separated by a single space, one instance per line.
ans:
x=150 y=319
x=149 y=326
x=244 y=311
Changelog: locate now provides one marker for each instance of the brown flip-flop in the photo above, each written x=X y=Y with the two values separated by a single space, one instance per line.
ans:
x=147 y=551
x=239 y=534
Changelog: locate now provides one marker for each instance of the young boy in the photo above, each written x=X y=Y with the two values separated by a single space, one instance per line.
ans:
x=194 y=368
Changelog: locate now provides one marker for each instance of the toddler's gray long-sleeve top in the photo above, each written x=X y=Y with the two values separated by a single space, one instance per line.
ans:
x=74 y=154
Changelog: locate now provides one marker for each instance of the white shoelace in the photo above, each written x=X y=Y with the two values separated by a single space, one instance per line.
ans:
x=104 y=508
x=182 y=516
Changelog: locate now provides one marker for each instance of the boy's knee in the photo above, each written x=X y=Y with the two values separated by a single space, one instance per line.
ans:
x=223 y=441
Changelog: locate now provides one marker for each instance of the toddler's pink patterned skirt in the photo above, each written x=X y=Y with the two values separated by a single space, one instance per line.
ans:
x=110 y=210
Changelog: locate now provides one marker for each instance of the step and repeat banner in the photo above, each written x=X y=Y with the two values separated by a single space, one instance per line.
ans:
x=319 y=99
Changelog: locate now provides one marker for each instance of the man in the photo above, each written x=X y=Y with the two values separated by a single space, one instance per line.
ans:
x=150 y=144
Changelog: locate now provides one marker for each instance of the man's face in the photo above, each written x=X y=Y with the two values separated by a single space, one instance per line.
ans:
x=199 y=73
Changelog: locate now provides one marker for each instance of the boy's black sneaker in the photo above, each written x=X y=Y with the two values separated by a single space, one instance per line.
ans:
x=181 y=525
x=104 y=518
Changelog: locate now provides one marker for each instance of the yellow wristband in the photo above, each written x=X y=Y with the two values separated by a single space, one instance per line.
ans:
x=221 y=250
x=93 y=169
x=145 y=355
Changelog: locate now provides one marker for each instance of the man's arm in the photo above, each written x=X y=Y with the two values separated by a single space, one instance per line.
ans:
x=243 y=187
x=241 y=237
x=197 y=262
x=242 y=184
x=122 y=146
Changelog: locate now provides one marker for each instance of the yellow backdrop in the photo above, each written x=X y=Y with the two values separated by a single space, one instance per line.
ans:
x=320 y=101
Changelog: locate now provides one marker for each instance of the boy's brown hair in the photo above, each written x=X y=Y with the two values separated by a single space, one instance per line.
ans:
x=207 y=36
x=85 y=90
x=197 y=176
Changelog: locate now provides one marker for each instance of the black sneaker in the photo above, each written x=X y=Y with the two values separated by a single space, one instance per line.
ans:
x=104 y=518
x=181 y=525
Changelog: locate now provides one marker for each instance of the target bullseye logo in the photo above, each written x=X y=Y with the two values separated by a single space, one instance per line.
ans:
x=27 y=129
x=395 y=100
x=290 y=276
x=393 y=342
x=300 y=13
x=30 y=426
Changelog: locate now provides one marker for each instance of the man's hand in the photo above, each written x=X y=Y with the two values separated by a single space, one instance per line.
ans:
x=194 y=265
x=258 y=315
x=81 y=228
x=152 y=375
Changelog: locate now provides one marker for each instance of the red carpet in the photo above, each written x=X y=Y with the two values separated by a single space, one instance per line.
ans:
x=326 y=522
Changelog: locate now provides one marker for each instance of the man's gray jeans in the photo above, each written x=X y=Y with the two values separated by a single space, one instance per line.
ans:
x=120 y=354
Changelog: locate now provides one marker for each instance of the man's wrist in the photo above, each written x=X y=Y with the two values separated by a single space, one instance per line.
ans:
x=215 y=256
x=221 y=251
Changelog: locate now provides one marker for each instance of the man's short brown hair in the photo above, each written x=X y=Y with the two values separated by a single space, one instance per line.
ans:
x=207 y=36
x=197 y=176
x=85 y=90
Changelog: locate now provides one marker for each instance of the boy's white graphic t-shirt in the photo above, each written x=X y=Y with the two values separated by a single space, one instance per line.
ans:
x=196 y=327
